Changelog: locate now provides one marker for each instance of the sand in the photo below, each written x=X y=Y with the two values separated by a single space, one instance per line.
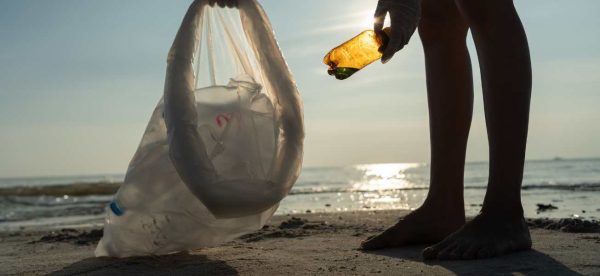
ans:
x=305 y=244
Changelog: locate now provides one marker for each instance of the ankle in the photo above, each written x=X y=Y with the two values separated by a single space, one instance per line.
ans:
x=503 y=201
x=451 y=209
x=503 y=211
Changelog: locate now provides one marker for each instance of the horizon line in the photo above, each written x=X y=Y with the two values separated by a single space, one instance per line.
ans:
x=556 y=158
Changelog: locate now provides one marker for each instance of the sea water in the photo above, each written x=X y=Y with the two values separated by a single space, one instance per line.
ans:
x=572 y=186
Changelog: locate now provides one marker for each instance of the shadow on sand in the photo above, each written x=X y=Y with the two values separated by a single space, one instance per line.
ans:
x=176 y=264
x=522 y=263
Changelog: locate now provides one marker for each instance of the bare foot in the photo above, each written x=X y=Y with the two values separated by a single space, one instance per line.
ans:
x=484 y=237
x=424 y=225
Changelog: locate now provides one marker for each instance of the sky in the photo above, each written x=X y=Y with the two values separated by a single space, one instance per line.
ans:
x=80 y=78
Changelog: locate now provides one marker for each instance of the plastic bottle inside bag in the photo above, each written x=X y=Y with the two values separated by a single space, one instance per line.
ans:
x=356 y=53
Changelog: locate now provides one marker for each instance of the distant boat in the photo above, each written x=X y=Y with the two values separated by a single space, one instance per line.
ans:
x=558 y=158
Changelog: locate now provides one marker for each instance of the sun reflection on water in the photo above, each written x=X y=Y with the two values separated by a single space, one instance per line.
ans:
x=383 y=186
x=361 y=187
x=379 y=177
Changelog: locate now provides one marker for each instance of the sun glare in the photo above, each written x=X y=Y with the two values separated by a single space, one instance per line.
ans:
x=384 y=176
x=367 y=20
x=355 y=21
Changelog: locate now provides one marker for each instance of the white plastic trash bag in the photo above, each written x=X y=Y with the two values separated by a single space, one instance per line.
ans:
x=222 y=148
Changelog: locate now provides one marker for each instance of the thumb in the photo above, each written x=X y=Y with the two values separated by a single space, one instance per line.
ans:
x=379 y=16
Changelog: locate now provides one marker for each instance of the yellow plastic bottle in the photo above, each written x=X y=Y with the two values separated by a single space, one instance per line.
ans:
x=355 y=54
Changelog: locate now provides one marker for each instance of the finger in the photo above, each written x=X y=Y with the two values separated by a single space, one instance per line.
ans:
x=379 y=16
x=394 y=45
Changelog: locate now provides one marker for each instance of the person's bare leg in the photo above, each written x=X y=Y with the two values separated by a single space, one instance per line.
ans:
x=506 y=76
x=450 y=93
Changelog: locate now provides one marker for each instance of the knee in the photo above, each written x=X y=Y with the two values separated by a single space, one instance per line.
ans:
x=481 y=14
x=442 y=31
x=441 y=24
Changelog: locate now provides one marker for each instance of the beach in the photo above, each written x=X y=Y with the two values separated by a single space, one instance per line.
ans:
x=51 y=225
x=305 y=244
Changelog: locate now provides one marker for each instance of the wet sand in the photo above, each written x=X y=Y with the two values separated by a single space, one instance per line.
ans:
x=303 y=244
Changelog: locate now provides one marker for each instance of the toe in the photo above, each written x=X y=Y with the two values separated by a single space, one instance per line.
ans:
x=377 y=242
x=444 y=253
x=372 y=243
x=486 y=252
x=458 y=252
x=505 y=247
x=471 y=252
x=432 y=252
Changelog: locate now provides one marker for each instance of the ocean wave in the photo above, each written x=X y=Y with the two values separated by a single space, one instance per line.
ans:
x=110 y=188
x=51 y=201
x=567 y=187
x=75 y=189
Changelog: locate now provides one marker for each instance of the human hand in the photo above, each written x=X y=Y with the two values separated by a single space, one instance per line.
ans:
x=404 y=17
x=223 y=3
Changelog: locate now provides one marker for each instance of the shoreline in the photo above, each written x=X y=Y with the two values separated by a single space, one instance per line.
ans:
x=316 y=243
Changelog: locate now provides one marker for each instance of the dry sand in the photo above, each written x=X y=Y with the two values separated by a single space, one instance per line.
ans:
x=308 y=244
